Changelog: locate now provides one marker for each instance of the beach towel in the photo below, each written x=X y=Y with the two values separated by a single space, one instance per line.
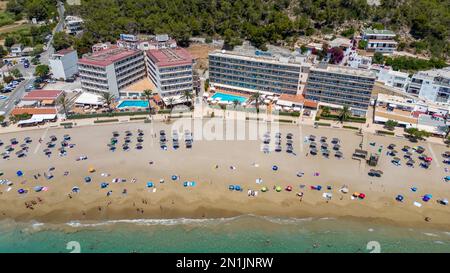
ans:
x=259 y=181
x=417 y=204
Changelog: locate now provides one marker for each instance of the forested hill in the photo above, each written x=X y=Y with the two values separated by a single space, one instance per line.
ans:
x=425 y=22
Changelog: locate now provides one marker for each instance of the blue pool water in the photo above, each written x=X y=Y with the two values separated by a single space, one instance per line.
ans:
x=228 y=97
x=133 y=103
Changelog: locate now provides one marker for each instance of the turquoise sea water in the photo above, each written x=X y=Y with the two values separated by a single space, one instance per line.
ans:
x=238 y=234
x=133 y=103
x=228 y=97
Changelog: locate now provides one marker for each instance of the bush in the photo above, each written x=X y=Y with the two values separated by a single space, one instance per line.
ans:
x=284 y=120
x=292 y=114
x=102 y=115
x=138 y=118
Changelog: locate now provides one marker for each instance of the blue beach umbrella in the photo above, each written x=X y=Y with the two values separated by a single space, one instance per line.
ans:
x=87 y=179
x=231 y=187
x=104 y=185
x=275 y=167
x=19 y=173
x=21 y=191
x=174 y=177
x=319 y=187
x=149 y=184
x=399 y=198
x=237 y=188
x=185 y=183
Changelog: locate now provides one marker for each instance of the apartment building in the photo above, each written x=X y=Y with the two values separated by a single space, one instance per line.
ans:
x=387 y=76
x=170 y=70
x=246 y=70
x=432 y=85
x=111 y=70
x=73 y=24
x=380 y=40
x=64 y=64
x=341 y=86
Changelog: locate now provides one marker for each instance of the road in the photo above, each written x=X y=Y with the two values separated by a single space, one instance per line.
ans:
x=8 y=104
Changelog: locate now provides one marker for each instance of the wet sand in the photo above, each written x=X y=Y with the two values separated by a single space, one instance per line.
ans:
x=210 y=197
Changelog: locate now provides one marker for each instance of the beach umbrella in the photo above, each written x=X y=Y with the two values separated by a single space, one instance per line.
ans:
x=38 y=188
x=443 y=202
x=104 y=185
x=231 y=187
x=91 y=169
x=264 y=189
x=447 y=178
x=288 y=188
x=344 y=190
x=275 y=167
x=21 y=191
x=278 y=188
x=174 y=177
x=338 y=154
x=428 y=159
x=399 y=198
x=355 y=194
x=335 y=140
x=87 y=179
x=362 y=196
x=150 y=184
x=237 y=188
x=318 y=187
x=19 y=173
x=336 y=147
x=75 y=189
x=1 y=173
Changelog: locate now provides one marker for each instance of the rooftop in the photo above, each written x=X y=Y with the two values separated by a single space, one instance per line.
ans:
x=140 y=86
x=42 y=95
x=443 y=72
x=108 y=56
x=170 y=56
x=298 y=99
x=273 y=54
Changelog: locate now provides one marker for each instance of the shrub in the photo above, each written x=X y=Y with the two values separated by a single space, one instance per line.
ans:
x=106 y=120
x=350 y=127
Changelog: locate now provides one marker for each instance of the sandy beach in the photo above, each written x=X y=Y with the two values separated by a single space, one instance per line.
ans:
x=210 y=197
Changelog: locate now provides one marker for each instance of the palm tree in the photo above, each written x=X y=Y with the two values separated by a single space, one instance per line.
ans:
x=187 y=95
x=344 y=114
x=148 y=95
x=108 y=99
x=64 y=102
x=257 y=98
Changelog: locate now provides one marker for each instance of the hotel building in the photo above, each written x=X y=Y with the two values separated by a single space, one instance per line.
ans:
x=170 y=70
x=380 y=40
x=111 y=70
x=249 y=71
x=341 y=86
x=73 y=25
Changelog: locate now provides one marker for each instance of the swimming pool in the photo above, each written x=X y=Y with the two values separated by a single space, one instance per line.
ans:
x=228 y=97
x=133 y=103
